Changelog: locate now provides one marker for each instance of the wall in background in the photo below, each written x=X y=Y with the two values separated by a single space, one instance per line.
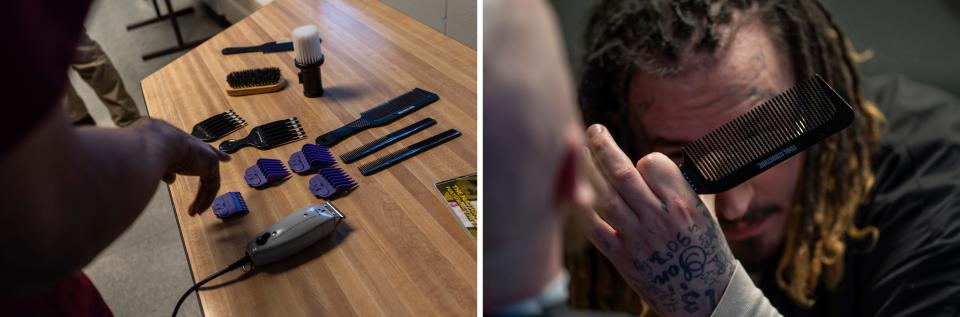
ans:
x=918 y=38
x=455 y=18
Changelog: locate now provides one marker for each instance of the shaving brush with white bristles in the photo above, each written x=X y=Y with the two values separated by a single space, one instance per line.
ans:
x=308 y=58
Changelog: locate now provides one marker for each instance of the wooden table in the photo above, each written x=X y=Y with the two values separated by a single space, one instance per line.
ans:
x=399 y=251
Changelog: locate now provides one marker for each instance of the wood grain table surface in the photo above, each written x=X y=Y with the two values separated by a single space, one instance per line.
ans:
x=399 y=251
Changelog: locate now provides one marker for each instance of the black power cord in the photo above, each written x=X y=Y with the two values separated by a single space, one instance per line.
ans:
x=236 y=265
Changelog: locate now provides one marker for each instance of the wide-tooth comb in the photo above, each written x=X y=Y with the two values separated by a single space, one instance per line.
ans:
x=310 y=158
x=380 y=115
x=391 y=159
x=255 y=81
x=330 y=182
x=268 y=136
x=266 y=172
x=217 y=126
x=766 y=135
x=386 y=140
x=229 y=205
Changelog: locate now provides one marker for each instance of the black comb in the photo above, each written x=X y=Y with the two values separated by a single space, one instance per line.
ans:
x=408 y=152
x=380 y=115
x=217 y=126
x=386 y=140
x=766 y=135
x=268 y=136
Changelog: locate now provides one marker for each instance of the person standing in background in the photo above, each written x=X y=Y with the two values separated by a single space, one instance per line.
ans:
x=95 y=68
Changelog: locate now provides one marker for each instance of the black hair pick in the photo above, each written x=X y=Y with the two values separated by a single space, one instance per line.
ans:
x=218 y=126
x=268 y=136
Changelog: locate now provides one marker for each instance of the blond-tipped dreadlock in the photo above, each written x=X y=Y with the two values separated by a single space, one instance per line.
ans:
x=624 y=36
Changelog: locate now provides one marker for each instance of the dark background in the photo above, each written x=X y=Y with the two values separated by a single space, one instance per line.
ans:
x=920 y=39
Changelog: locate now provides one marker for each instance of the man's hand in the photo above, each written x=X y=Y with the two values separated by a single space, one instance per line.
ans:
x=186 y=155
x=658 y=233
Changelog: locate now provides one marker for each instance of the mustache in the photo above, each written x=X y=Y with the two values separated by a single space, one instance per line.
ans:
x=754 y=214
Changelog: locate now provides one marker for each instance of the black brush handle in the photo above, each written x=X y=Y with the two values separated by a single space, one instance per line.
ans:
x=383 y=142
x=409 y=151
x=309 y=77
x=238 y=50
x=333 y=137
x=230 y=146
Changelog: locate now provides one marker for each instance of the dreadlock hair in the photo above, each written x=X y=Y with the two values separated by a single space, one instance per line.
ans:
x=654 y=36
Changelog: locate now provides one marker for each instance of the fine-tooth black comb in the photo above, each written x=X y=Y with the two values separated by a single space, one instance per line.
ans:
x=381 y=115
x=217 y=126
x=268 y=136
x=766 y=135
x=408 y=152
x=388 y=139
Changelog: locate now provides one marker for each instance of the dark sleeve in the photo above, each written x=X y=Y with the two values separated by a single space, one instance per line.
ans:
x=38 y=44
x=914 y=269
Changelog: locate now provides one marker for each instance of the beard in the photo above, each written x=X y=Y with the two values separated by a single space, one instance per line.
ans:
x=760 y=251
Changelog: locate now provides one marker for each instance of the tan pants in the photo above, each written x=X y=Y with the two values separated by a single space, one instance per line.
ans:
x=95 y=68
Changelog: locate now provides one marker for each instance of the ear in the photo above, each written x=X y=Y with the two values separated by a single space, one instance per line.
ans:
x=570 y=184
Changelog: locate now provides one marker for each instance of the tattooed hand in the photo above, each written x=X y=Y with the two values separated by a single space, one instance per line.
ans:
x=658 y=233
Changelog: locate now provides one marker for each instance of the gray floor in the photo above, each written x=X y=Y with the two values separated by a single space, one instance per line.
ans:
x=145 y=271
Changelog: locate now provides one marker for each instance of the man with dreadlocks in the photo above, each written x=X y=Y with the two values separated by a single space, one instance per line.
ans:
x=865 y=223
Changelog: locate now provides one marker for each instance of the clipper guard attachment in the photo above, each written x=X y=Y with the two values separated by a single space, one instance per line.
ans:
x=265 y=173
x=230 y=205
x=331 y=182
x=311 y=158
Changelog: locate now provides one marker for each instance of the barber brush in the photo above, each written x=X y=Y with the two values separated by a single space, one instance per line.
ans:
x=308 y=58
x=255 y=81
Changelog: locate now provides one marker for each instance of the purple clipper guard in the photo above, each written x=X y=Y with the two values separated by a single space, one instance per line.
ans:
x=266 y=172
x=229 y=205
x=310 y=158
x=330 y=182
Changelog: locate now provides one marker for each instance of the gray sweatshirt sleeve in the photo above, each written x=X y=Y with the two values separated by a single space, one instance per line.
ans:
x=743 y=298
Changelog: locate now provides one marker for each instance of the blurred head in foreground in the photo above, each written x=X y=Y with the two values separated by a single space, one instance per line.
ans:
x=533 y=151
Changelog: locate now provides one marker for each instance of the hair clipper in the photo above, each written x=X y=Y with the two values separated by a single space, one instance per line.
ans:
x=294 y=233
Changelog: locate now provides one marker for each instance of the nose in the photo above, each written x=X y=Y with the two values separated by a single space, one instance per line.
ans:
x=733 y=204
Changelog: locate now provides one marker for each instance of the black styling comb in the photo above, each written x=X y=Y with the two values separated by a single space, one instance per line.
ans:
x=268 y=136
x=766 y=135
x=217 y=126
x=408 y=152
x=388 y=139
x=255 y=81
x=381 y=115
